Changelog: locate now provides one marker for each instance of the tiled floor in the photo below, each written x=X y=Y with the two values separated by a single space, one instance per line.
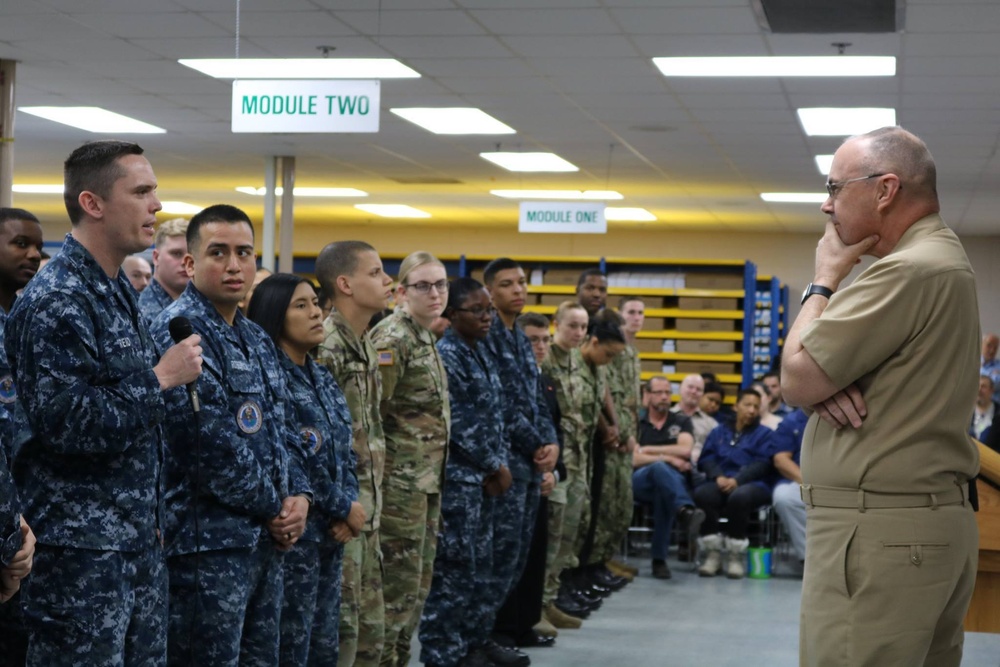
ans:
x=693 y=622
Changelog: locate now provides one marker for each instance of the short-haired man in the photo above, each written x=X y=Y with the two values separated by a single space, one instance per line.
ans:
x=351 y=273
x=169 y=275
x=986 y=409
x=534 y=448
x=592 y=290
x=91 y=388
x=772 y=382
x=138 y=271
x=662 y=462
x=20 y=255
x=787 y=497
x=692 y=391
x=990 y=365
x=236 y=490
x=886 y=472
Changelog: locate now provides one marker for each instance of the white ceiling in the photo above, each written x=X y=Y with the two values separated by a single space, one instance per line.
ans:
x=571 y=76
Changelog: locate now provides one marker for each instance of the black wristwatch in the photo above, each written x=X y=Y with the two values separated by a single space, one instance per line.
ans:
x=813 y=288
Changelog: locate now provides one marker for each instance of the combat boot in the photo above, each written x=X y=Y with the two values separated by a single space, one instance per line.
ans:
x=561 y=619
x=545 y=628
x=622 y=569
x=737 y=557
x=712 y=546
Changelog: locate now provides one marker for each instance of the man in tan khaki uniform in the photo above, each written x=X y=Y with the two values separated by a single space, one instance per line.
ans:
x=891 y=537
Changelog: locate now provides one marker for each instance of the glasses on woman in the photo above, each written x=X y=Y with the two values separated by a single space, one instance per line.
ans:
x=478 y=311
x=424 y=287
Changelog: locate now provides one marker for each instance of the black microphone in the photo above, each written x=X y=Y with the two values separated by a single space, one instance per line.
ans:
x=180 y=329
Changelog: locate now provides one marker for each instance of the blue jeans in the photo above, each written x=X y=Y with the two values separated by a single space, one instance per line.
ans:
x=661 y=486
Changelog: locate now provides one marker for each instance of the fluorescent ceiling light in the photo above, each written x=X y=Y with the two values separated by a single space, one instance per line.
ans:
x=93 y=119
x=306 y=192
x=393 y=210
x=180 y=208
x=529 y=161
x=823 y=163
x=558 y=194
x=301 y=68
x=779 y=66
x=454 y=120
x=624 y=213
x=794 y=197
x=835 y=122
x=38 y=188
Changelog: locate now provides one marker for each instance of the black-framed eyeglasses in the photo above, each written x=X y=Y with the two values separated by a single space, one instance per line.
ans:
x=833 y=188
x=424 y=287
x=478 y=311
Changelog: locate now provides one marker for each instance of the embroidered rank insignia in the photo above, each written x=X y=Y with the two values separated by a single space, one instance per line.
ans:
x=386 y=358
x=249 y=417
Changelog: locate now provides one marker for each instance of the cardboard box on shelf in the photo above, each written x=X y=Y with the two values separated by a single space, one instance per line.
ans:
x=706 y=367
x=477 y=274
x=561 y=276
x=554 y=299
x=693 y=324
x=653 y=324
x=649 y=344
x=706 y=303
x=707 y=346
x=714 y=280
x=651 y=365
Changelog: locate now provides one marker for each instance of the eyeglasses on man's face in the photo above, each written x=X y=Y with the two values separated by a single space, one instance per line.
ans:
x=478 y=311
x=833 y=188
x=424 y=287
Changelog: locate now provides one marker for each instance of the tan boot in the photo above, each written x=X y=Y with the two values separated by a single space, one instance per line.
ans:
x=545 y=629
x=624 y=567
x=561 y=619
x=711 y=546
x=619 y=570
x=737 y=557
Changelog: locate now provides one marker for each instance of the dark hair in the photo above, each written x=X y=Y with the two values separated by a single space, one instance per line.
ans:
x=625 y=299
x=746 y=391
x=611 y=316
x=16 y=214
x=649 y=383
x=270 y=300
x=496 y=266
x=605 y=331
x=378 y=317
x=586 y=274
x=459 y=290
x=771 y=374
x=93 y=167
x=533 y=320
x=339 y=258
x=715 y=388
x=709 y=377
x=215 y=213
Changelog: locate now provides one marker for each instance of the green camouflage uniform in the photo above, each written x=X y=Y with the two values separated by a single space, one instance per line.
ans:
x=416 y=416
x=354 y=364
x=616 y=489
x=580 y=391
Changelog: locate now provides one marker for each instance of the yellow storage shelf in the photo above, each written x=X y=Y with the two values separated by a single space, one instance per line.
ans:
x=643 y=291
x=663 y=312
x=723 y=378
x=674 y=263
x=692 y=356
x=673 y=334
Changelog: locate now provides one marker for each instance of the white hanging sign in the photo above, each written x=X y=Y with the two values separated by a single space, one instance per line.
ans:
x=562 y=218
x=305 y=106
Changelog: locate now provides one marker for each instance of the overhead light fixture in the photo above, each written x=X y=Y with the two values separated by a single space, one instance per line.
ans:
x=823 y=163
x=592 y=195
x=38 y=188
x=454 y=120
x=393 y=210
x=306 y=192
x=627 y=214
x=837 y=122
x=301 y=68
x=93 y=119
x=794 y=197
x=180 y=208
x=778 y=66
x=529 y=161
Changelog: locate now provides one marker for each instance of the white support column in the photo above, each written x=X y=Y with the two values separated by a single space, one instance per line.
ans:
x=287 y=231
x=8 y=70
x=270 y=181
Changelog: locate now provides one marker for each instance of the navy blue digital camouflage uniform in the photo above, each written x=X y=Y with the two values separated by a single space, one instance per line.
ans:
x=478 y=446
x=153 y=300
x=529 y=426
x=225 y=572
x=10 y=515
x=310 y=613
x=89 y=474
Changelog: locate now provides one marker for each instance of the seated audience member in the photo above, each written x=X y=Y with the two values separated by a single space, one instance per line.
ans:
x=693 y=391
x=736 y=462
x=993 y=434
x=772 y=382
x=766 y=418
x=986 y=409
x=661 y=463
x=787 y=497
x=990 y=365
x=713 y=402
